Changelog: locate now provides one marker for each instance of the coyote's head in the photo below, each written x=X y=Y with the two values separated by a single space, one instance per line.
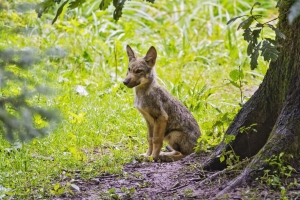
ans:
x=140 y=69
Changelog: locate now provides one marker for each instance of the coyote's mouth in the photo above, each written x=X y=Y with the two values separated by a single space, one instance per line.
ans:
x=132 y=84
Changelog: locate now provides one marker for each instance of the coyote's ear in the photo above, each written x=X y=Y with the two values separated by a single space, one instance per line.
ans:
x=130 y=53
x=150 y=57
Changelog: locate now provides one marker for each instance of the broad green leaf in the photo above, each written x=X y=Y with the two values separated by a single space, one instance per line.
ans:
x=254 y=56
x=274 y=42
x=251 y=37
x=59 y=11
x=257 y=16
x=42 y=7
x=118 y=4
x=229 y=138
x=104 y=4
x=281 y=154
x=259 y=25
x=245 y=24
x=269 y=51
x=75 y=4
x=247 y=35
x=233 y=19
x=277 y=32
x=236 y=74
x=234 y=84
x=222 y=158
x=250 y=48
x=255 y=35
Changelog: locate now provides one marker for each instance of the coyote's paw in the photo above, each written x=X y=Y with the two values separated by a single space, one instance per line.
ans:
x=146 y=158
x=144 y=155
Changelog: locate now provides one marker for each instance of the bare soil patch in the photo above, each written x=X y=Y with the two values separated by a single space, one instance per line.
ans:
x=176 y=180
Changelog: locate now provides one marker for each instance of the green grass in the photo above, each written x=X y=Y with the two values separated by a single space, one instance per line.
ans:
x=99 y=132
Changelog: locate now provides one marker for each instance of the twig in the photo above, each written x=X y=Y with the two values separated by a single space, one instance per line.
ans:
x=212 y=177
x=109 y=176
x=277 y=17
x=176 y=188
x=196 y=179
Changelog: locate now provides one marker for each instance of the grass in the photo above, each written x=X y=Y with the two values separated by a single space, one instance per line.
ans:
x=99 y=132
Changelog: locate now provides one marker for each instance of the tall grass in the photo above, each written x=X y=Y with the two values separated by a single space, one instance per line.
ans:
x=101 y=131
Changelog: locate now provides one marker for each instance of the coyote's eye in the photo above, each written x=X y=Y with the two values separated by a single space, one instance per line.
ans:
x=129 y=69
x=138 y=71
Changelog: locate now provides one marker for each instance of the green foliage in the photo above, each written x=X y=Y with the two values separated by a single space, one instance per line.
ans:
x=59 y=11
x=237 y=80
x=248 y=129
x=59 y=189
x=268 y=50
x=236 y=74
x=278 y=173
x=188 y=193
x=76 y=3
x=110 y=194
x=267 y=46
x=104 y=4
x=215 y=131
x=229 y=156
x=128 y=192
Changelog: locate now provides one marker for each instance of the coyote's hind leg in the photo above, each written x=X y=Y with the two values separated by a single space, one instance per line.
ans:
x=182 y=144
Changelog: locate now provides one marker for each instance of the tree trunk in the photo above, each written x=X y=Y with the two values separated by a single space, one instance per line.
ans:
x=274 y=108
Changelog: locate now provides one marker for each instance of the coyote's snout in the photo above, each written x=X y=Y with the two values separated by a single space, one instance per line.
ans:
x=167 y=119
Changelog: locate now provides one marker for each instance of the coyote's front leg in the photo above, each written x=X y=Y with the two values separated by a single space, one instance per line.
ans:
x=159 y=130
x=149 y=139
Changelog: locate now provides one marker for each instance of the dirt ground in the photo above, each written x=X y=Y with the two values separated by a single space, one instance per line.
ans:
x=176 y=180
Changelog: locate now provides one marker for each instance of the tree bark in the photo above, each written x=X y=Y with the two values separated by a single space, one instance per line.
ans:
x=274 y=108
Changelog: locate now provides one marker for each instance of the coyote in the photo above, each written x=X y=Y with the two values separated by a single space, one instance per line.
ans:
x=167 y=119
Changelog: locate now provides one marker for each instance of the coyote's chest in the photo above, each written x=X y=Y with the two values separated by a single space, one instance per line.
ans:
x=147 y=110
x=146 y=99
x=147 y=117
x=142 y=105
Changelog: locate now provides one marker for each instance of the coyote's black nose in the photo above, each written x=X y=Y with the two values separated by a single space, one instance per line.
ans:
x=126 y=81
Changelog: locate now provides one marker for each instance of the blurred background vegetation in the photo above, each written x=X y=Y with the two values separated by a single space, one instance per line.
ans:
x=70 y=75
